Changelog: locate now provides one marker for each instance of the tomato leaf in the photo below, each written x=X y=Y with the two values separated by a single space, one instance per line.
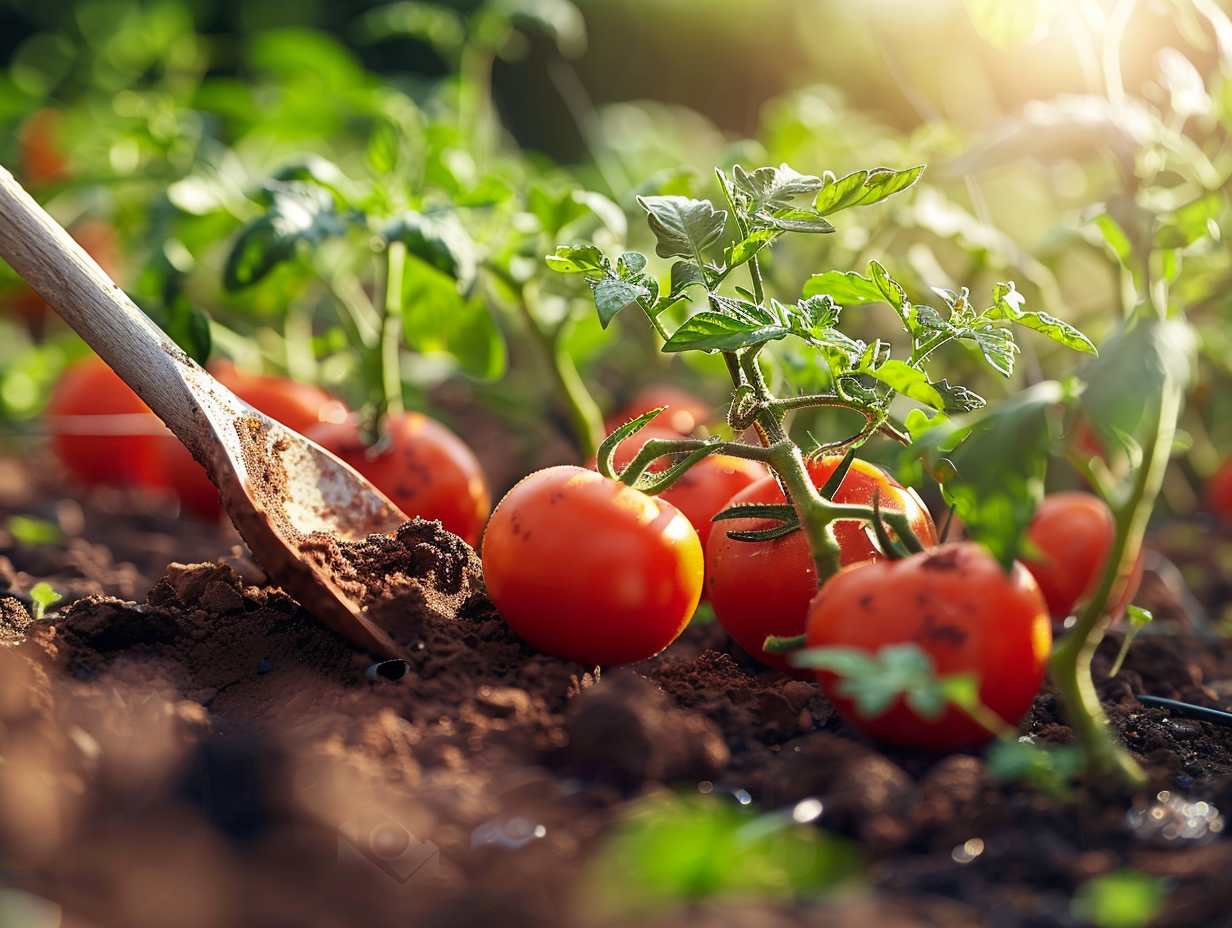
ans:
x=438 y=320
x=684 y=228
x=747 y=248
x=797 y=220
x=909 y=381
x=298 y=212
x=577 y=259
x=771 y=187
x=613 y=294
x=439 y=239
x=743 y=324
x=862 y=188
x=874 y=682
x=846 y=288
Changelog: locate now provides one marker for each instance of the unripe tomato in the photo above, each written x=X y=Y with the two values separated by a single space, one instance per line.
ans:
x=299 y=406
x=585 y=568
x=425 y=469
x=764 y=588
x=1073 y=533
x=101 y=431
x=705 y=487
x=958 y=605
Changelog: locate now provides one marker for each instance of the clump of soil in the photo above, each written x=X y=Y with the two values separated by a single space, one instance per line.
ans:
x=205 y=753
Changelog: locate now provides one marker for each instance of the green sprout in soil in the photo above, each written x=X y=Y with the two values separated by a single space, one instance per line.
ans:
x=44 y=597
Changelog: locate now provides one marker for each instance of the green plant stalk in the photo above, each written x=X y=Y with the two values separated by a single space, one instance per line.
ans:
x=391 y=330
x=1070 y=663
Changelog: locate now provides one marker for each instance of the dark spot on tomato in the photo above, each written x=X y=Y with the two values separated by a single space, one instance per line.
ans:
x=866 y=602
x=941 y=560
x=556 y=497
x=941 y=632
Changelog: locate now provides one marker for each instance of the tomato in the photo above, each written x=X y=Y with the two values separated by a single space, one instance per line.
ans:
x=705 y=487
x=42 y=151
x=101 y=431
x=1217 y=493
x=764 y=588
x=425 y=469
x=957 y=604
x=1073 y=532
x=585 y=568
x=298 y=406
x=684 y=413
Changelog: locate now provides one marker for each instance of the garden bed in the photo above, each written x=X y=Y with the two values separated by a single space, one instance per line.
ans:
x=185 y=746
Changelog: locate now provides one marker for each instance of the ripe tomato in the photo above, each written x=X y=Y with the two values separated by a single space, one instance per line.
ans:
x=425 y=469
x=298 y=406
x=1217 y=493
x=588 y=569
x=42 y=153
x=684 y=413
x=957 y=604
x=764 y=588
x=100 y=429
x=1074 y=531
x=705 y=487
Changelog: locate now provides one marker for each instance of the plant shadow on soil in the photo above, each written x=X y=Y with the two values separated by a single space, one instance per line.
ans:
x=185 y=747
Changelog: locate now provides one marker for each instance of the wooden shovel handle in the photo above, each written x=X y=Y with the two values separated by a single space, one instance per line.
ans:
x=46 y=256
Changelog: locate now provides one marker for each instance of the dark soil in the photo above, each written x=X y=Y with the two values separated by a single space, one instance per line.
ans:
x=183 y=746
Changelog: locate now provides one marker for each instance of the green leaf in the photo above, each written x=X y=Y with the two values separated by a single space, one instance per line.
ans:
x=1121 y=899
x=44 y=597
x=875 y=682
x=747 y=248
x=997 y=345
x=712 y=331
x=438 y=320
x=891 y=290
x=1057 y=329
x=994 y=462
x=909 y=381
x=818 y=312
x=439 y=239
x=957 y=398
x=774 y=187
x=1193 y=221
x=847 y=288
x=684 y=228
x=686 y=274
x=29 y=531
x=797 y=220
x=613 y=294
x=577 y=259
x=863 y=188
x=298 y=212
x=1116 y=238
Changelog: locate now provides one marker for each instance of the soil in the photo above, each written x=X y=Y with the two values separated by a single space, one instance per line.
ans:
x=183 y=746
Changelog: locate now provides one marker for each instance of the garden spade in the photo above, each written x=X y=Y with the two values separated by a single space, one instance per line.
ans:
x=277 y=486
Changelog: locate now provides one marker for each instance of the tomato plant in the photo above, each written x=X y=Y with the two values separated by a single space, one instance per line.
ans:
x=1073 y=533
x=588 y=569
x=958 y=605
x=422 y=466
x=101 y=431
x=763 y=588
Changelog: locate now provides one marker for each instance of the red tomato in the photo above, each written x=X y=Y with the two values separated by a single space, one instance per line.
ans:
x=957 y=604
x=1217 y=493
x=1074 y=531
x=298 y=406
x=42 y=153
x=759 y=589
x=585 y=568
x=685 y=411
x=705 y=487
x=100 y=429
x=426 y=470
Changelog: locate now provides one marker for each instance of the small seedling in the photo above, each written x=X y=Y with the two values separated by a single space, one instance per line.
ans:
x=44 y=596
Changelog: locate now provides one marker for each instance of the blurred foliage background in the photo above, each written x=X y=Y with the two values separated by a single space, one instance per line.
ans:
x=536 y=121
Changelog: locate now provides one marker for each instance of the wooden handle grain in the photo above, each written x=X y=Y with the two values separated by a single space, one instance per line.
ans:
x=48 y=259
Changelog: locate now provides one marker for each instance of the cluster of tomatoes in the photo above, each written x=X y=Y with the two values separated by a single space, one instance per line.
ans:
x=588 y=569
x=104 y=434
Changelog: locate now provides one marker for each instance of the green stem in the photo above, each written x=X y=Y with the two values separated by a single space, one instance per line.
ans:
x=391 y=329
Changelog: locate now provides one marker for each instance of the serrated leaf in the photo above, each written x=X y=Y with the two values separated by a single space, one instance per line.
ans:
x=771 y=187
x=686 y=274
x=929 y=319
x=684 y=228
x=891 y=290
x=864 y=188
x=743 y=250
x=1056 y=329
x=712 y=331
x=797 y=220
x=909 y=381
x=846 y=287
x=613 y=294
x=630 y=263
x=957 y=398
x=876 y=682
x=997 y=346
x=819 y=312
x=577 y=259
